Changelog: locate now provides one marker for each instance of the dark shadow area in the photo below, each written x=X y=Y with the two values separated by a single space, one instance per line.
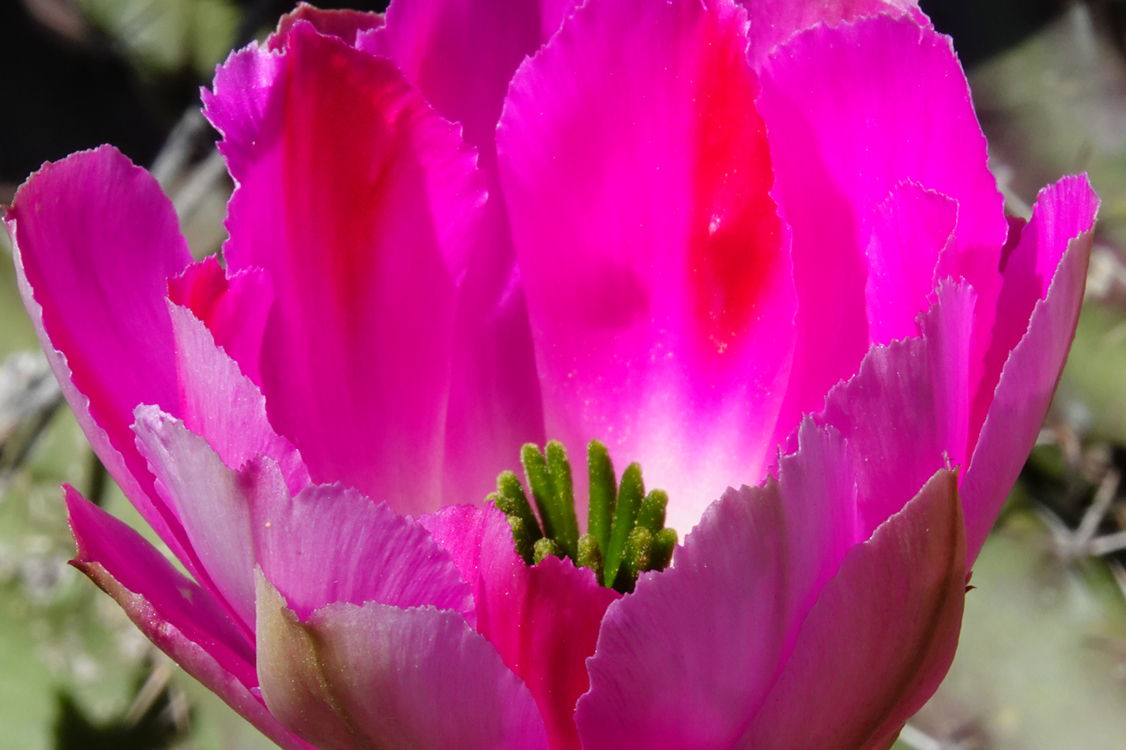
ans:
x=61 y=96
x=983 y=28
x=154 y=729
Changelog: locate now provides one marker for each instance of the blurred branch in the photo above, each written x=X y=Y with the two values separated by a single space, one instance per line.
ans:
x=29 y=397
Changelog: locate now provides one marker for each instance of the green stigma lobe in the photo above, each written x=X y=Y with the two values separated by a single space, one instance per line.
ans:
x=652 y=513
x=590 y=556
x=545 y=548
x=630 y=493
x=626 y=527
x=511 y=500
x=603 y=493
x=563 y=505
x=635 y=558
x=660 y=555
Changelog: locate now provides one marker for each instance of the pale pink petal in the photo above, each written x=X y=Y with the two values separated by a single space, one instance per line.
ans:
x=847 y=122
x=330 y=544
x=774 y=21
x=905 y=413
x=378 y=676
x=327 y=544
x=222 y=405
x=361 y=204
x=636 y=173
x=1034 y=365
x=461 y=55
x=178 y=616
x=544 y=620
x=879 y=639
x=216 y=505
x=911 y=230
x=1062 y=212
x=687 y=659
x=818 y=488
x=95 y=240
x=234 y=309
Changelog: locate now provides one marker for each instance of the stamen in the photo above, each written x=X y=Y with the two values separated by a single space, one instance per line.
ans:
x=626 y=527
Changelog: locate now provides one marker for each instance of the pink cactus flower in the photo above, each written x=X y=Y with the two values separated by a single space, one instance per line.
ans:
x=756 y=250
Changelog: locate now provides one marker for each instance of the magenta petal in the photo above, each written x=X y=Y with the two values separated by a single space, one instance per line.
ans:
x=1064 y=217
x=234 y=309
x=911 y=231
x=1062 y=212
x=879 y=639
x=775 y=21
x=687 y=659
x=381 y=677
x=546 y=633
x=94 y=240
x=461 y=55
x=222 y=405
x=360 y=203
x=636 y=173
x=327 y=544
x=480 y=544
x=138 y=568
x=173 y=612
x=848 y=122
x=495 y=404
x=905 y=413
x=543 y=620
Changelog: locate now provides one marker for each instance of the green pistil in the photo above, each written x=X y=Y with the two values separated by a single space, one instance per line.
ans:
x=627 y=533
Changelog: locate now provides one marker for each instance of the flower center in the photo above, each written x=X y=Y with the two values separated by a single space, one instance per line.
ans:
x=626 y=527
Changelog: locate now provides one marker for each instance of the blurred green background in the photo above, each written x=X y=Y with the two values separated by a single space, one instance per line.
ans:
x=1042 y=660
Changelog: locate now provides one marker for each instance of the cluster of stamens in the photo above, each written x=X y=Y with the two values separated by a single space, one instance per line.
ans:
x=626 y=532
